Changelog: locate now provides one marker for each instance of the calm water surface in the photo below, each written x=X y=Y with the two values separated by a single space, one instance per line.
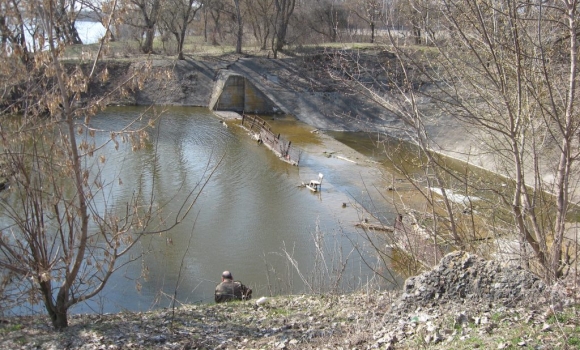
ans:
x=249 y=213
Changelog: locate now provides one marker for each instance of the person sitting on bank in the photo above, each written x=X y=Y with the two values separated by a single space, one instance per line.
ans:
x=231 y=290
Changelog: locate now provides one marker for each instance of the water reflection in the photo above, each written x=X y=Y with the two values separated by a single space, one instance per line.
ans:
x=251 y=218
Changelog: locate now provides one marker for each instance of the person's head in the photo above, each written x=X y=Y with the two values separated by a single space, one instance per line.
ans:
x=226 y=275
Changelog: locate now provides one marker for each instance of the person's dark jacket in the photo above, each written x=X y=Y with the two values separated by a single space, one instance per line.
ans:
x=232 y=290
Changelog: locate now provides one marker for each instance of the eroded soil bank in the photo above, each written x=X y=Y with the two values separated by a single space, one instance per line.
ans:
x=463 y=303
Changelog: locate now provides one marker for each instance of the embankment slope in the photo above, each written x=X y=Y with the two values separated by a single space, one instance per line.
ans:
x=463 y=303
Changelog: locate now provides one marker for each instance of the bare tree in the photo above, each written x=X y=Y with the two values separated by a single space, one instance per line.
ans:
x=239 y=26
x=513 y=93
x=146 y=17
x=66 y=13
x=506 y=72
x=420 y=18
x=284 y=10
x=370 y=11
x=225 y=19
x=213 y=10
x=176 y=16
x=326 y=18
x=61 y=239
x=12 y=29
x=259 y=16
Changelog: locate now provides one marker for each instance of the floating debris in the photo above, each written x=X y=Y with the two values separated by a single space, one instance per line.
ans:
x=315 y=185
x=344 y=158
x=377 y=227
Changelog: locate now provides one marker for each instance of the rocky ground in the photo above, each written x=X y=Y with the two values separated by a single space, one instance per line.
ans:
x=463 y=303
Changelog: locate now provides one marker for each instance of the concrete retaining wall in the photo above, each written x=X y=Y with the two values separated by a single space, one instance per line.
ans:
x=233 y=92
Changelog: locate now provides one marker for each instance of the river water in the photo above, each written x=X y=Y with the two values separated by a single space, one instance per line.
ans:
x=252 y=217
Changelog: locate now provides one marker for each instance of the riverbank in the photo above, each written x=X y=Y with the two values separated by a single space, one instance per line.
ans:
x=366 y=319
x=302 y=83
x=463 y=303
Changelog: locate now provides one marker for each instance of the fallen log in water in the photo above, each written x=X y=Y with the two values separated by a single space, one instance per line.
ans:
x=376 y=227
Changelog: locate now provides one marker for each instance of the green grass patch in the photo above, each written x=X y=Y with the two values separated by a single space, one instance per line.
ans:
x=10 y=328
x=515 y=340
x=574 y=341
x=280 y=312
x=496 y=317
x=559 y=318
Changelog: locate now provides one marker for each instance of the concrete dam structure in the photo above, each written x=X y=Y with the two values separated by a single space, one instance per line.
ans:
x=234 y=92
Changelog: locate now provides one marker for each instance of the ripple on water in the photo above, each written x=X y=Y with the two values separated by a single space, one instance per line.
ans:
x=249 y=211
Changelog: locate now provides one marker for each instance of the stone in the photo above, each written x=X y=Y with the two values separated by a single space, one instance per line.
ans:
x=159 y=339
x=461 y=275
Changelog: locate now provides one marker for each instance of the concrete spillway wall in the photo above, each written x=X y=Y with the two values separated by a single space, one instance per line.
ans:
x=233 y=92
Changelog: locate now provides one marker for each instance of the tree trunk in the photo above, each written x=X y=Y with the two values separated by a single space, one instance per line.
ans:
x=59 y=316
x=65 y=24
x=4 y=39
x=215 y=30
x=74 y=35
x=57 y=312
x=240 y=27
x=181 y=40
x=281 y=30
x=147 y=46
x=417 y=35
x=60 y=322
x=205 y=24
x=180 y=55
x=284 y=9
x=274 y=49
x=566 y=158
x=150 y=23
